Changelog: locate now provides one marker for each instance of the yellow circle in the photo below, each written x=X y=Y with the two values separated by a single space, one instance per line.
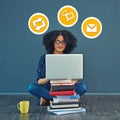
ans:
x=91 y=27
x=38 y=23
x=67 y=16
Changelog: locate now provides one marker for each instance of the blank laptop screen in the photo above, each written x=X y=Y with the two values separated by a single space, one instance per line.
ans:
x=64 y=66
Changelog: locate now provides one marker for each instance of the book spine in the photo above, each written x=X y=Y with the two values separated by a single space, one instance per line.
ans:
x=65 y=106
x=60 y=81
x=65 y=103
x=62 y=93
x=63 y=87
x=65 y=100
x=77 y=96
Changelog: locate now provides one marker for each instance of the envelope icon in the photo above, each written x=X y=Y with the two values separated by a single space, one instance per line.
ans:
x=91 y=28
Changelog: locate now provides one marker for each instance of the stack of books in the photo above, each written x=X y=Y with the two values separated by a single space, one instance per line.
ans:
x=65 y=99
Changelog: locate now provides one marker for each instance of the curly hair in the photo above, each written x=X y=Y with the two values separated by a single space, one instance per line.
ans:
x=49 y=38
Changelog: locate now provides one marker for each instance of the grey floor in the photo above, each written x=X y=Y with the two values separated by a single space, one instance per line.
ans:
x=98 y=107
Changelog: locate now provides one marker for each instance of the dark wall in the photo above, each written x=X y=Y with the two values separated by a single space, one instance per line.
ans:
x=20 y=49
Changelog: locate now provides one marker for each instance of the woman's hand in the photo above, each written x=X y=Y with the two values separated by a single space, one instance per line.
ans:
x=74 y=81
x=42 y=81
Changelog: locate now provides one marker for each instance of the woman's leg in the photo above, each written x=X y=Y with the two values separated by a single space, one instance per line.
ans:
x=40 y=90
x=80 y=88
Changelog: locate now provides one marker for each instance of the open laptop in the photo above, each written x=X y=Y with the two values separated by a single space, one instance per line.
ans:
x=64 y=66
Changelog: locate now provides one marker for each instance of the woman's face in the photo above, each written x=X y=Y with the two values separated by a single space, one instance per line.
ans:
x=59 y=45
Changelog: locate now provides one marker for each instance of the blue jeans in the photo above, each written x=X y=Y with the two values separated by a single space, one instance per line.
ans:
x=43 y=90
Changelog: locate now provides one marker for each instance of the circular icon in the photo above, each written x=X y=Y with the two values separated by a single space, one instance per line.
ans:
x=67 y=16
x=91 y=27
x=38 y=23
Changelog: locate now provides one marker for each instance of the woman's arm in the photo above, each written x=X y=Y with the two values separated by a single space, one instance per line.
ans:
x=42 y=81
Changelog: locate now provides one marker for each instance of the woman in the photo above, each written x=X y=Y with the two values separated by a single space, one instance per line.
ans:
x=55 y=42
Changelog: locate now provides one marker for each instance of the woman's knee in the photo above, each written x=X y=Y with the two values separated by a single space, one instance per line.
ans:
x=84 y=87
x=81 y=88
x=32 y=87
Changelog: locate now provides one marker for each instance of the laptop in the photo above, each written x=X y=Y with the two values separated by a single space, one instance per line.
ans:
x=64 y=66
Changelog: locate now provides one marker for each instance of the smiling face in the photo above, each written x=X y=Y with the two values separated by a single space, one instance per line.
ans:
x=59 y=45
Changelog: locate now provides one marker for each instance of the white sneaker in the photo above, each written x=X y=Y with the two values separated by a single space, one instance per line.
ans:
x=44 y=101
x=41 y=99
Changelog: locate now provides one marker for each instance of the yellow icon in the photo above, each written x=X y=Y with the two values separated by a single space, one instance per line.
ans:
x=91 y=27
x=38 y=23
x=67 y=16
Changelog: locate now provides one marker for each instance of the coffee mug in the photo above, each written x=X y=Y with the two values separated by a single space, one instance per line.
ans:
x=23 y=106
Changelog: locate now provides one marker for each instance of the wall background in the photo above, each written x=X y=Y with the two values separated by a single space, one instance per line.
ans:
x=20 y=49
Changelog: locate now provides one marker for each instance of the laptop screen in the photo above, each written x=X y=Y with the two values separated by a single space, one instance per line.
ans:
x=64 y=66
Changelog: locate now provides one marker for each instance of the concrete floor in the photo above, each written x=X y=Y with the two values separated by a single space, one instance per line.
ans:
x=98 y=107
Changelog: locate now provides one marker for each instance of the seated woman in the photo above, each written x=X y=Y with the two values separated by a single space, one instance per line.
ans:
x=55 y=42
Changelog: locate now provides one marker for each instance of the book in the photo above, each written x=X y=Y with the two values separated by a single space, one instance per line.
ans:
x=61 y=81
x=68 y=111
x=60 y=84
x=65 y=109
x=76 y=96
x=67 y=105
x=64 y=106
x=62 y=93
x=65 y=100
x=61 y=99
x=61 y=87
x=64 y=103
